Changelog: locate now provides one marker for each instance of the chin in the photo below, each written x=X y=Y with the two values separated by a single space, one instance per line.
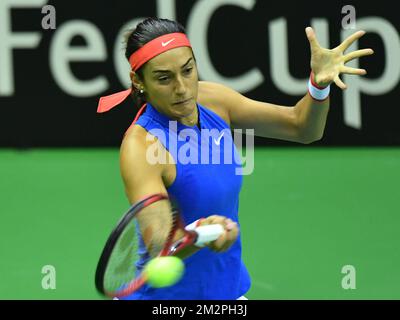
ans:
x=190 y=108
x=185 y=110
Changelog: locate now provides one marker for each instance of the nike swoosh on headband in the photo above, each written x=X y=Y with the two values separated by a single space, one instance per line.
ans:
x=164 y=44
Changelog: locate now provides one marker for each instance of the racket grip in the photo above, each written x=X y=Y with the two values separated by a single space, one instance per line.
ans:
x=208 y=233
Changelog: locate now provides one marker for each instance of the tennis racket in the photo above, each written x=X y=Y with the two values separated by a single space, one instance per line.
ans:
x=116 y=273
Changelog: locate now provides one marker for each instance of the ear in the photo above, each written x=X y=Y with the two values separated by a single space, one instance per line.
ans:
x=137 y=83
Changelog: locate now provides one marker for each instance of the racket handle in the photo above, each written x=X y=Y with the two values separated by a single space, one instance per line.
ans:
x=208 y=233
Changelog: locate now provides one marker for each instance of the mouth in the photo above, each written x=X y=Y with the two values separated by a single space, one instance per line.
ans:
x=182 y=101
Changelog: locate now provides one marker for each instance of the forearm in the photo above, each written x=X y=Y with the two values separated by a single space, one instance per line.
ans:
x=311 y=118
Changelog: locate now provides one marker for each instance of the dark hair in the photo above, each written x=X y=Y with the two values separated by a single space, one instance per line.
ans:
x=146 y=31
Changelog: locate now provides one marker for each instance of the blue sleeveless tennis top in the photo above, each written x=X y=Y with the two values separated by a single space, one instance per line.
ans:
x=208 y=181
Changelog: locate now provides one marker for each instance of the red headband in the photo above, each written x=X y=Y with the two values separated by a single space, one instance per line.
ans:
x=139 y=58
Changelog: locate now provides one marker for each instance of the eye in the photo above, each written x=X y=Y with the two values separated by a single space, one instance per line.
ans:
x=188 y=70
x=163 y=79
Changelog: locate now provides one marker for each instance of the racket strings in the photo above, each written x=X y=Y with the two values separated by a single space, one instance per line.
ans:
x=132 y=245
x=121 y=267
x=158 y=228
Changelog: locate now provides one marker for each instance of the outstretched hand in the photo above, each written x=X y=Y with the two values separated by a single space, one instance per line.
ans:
x=328 y=64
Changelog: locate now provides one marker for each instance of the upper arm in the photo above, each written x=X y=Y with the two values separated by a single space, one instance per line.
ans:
x=141 y=179
x=267 y=120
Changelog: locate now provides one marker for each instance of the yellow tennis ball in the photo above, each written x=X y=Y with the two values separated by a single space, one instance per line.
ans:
x=164 y=271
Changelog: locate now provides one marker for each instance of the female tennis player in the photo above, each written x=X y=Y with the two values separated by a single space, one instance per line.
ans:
x=164 y=77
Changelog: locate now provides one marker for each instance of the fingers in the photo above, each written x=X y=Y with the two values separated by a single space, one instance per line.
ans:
x=221 y=244
x=231 y=234
x=357 y=54
x=214 y=219
x=349 y=70
x=224 y=242
x=348 y=42
x=312 y=38
x=340 y=83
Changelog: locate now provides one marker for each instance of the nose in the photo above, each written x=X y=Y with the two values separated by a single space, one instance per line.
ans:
x=180 y=86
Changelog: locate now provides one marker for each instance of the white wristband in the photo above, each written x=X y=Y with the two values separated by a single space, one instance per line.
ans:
x=316 y=92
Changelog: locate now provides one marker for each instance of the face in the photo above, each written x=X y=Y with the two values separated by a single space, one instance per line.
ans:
x=170 y=82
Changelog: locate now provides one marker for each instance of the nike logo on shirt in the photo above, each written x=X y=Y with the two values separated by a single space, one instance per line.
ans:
x=218 y=141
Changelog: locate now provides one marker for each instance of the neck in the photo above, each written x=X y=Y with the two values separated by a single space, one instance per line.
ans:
x=190 y=121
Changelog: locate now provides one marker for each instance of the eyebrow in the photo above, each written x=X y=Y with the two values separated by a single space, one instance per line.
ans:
x=164 y=71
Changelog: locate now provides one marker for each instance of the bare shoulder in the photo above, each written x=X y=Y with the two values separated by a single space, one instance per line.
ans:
x=135 y=145
x=134 y=139
x=141 y=177
x=216 y=97
x=133 y=150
